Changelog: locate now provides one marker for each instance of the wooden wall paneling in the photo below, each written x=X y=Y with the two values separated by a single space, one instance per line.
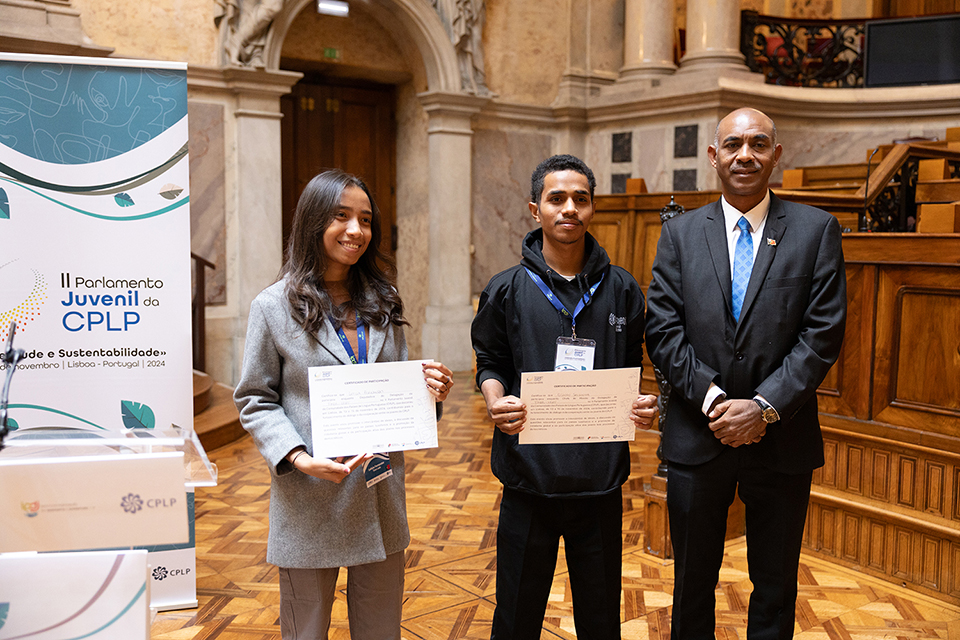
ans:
x=917 y=379
x=886 y=471
x=846 y=389
x=614 y=231
x=875 y=550
x=952 y=587
x=931 y=561
x=929 y=346
x=902 y=248
x=854 y=471
x=903 y=554
x=852 y=544
x=880 y=475
x=934 y=485
x=906 y=481
x=647 y=236
x=828 y=473
x=887 y=523
x=809 y=528
x=827 y=532
x=919 y=555
x=954 y=495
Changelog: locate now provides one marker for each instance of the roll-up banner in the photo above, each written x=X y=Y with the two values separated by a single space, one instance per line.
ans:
x=95 y=258
x=95 y=251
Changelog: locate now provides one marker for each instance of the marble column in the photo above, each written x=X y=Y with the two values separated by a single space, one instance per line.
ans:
x=253 y=195
x=649 y=28
x=713 y=35
x=446 y=331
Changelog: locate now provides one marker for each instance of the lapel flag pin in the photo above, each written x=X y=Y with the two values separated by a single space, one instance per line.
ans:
x=772 y=242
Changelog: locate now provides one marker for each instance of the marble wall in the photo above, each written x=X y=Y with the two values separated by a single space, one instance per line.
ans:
x=502 y=163
x=653 y=154
x=208 y=225
x=413 y=215
x=807 y=143
x=525 y=48
x=178 y=30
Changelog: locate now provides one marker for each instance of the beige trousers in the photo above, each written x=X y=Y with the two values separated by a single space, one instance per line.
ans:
x=374 y=599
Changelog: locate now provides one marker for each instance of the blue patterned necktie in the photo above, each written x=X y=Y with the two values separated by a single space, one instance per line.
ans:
x=742 y=265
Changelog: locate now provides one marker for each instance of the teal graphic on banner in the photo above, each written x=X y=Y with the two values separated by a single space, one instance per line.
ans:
x=77 y=114
x=136 y=415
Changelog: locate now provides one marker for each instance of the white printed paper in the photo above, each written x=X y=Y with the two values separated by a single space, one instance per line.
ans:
x=579 y=406
x=371 y=408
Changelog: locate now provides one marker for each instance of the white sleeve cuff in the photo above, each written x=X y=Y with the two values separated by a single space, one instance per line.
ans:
x=713 y=393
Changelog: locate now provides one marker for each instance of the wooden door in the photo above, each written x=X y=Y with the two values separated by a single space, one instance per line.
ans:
x=346 y=127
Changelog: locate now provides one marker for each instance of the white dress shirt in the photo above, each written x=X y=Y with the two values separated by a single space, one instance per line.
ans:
x=757 y=217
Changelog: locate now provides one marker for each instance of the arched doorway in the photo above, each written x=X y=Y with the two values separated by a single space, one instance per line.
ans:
x=433 y=153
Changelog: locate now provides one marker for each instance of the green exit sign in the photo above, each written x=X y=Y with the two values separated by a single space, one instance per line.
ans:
x=331 y=53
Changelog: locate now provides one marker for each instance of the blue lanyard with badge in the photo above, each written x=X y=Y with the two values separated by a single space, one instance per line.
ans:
x=573 y=353
x=377 y=468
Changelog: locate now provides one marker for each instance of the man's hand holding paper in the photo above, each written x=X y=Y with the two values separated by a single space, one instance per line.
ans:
x=583 y=406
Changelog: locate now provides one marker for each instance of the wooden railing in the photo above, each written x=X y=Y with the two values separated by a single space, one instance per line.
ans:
x=199 y=307
x=886 y=200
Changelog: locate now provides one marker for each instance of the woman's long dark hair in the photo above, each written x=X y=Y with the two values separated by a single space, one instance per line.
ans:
x=370 y=281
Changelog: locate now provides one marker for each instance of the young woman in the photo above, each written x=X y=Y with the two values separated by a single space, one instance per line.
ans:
x=334 y=304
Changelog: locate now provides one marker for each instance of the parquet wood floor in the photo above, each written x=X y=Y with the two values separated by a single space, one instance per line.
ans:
x=453 y=500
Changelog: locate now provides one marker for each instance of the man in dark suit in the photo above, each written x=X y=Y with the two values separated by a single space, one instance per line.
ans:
x=745 y=316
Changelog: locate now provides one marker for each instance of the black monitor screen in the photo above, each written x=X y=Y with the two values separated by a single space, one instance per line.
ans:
x=912 y=51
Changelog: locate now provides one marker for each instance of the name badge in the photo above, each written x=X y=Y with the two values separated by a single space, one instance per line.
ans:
x=377 y=469
x=574 y=354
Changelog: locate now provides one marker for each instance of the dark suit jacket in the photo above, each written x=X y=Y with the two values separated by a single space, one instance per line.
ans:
x=789 y=334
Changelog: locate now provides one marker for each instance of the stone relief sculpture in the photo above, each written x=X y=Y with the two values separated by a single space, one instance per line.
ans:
x=464 y=20
x=247 y=24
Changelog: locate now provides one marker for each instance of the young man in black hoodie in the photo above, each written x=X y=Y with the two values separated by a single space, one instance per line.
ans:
x=562 y=490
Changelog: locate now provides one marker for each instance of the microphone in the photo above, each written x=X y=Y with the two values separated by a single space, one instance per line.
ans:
x=11 y=357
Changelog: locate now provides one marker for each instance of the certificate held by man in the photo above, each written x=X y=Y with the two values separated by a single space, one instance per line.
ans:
x=371 y=408
x=579 y=406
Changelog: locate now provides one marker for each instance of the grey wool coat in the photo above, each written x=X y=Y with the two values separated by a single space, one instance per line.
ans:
x=313 y=523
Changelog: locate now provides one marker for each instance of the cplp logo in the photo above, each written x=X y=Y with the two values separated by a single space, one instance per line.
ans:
x=160 y=573
x=131 y=503
x=30 y=509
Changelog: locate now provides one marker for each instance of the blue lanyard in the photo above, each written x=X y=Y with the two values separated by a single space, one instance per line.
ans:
x=361 y=343
x=584 y=301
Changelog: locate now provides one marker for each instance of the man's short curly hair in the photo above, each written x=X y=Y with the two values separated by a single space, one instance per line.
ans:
x=562 y=162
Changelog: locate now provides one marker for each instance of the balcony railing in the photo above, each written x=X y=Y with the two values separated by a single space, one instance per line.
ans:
x=803 y=53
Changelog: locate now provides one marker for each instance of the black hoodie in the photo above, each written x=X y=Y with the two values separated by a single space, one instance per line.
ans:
x=516 y=330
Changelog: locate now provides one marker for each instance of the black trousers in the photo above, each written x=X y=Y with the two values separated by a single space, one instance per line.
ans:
x=528 y=539
x=698 y=498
